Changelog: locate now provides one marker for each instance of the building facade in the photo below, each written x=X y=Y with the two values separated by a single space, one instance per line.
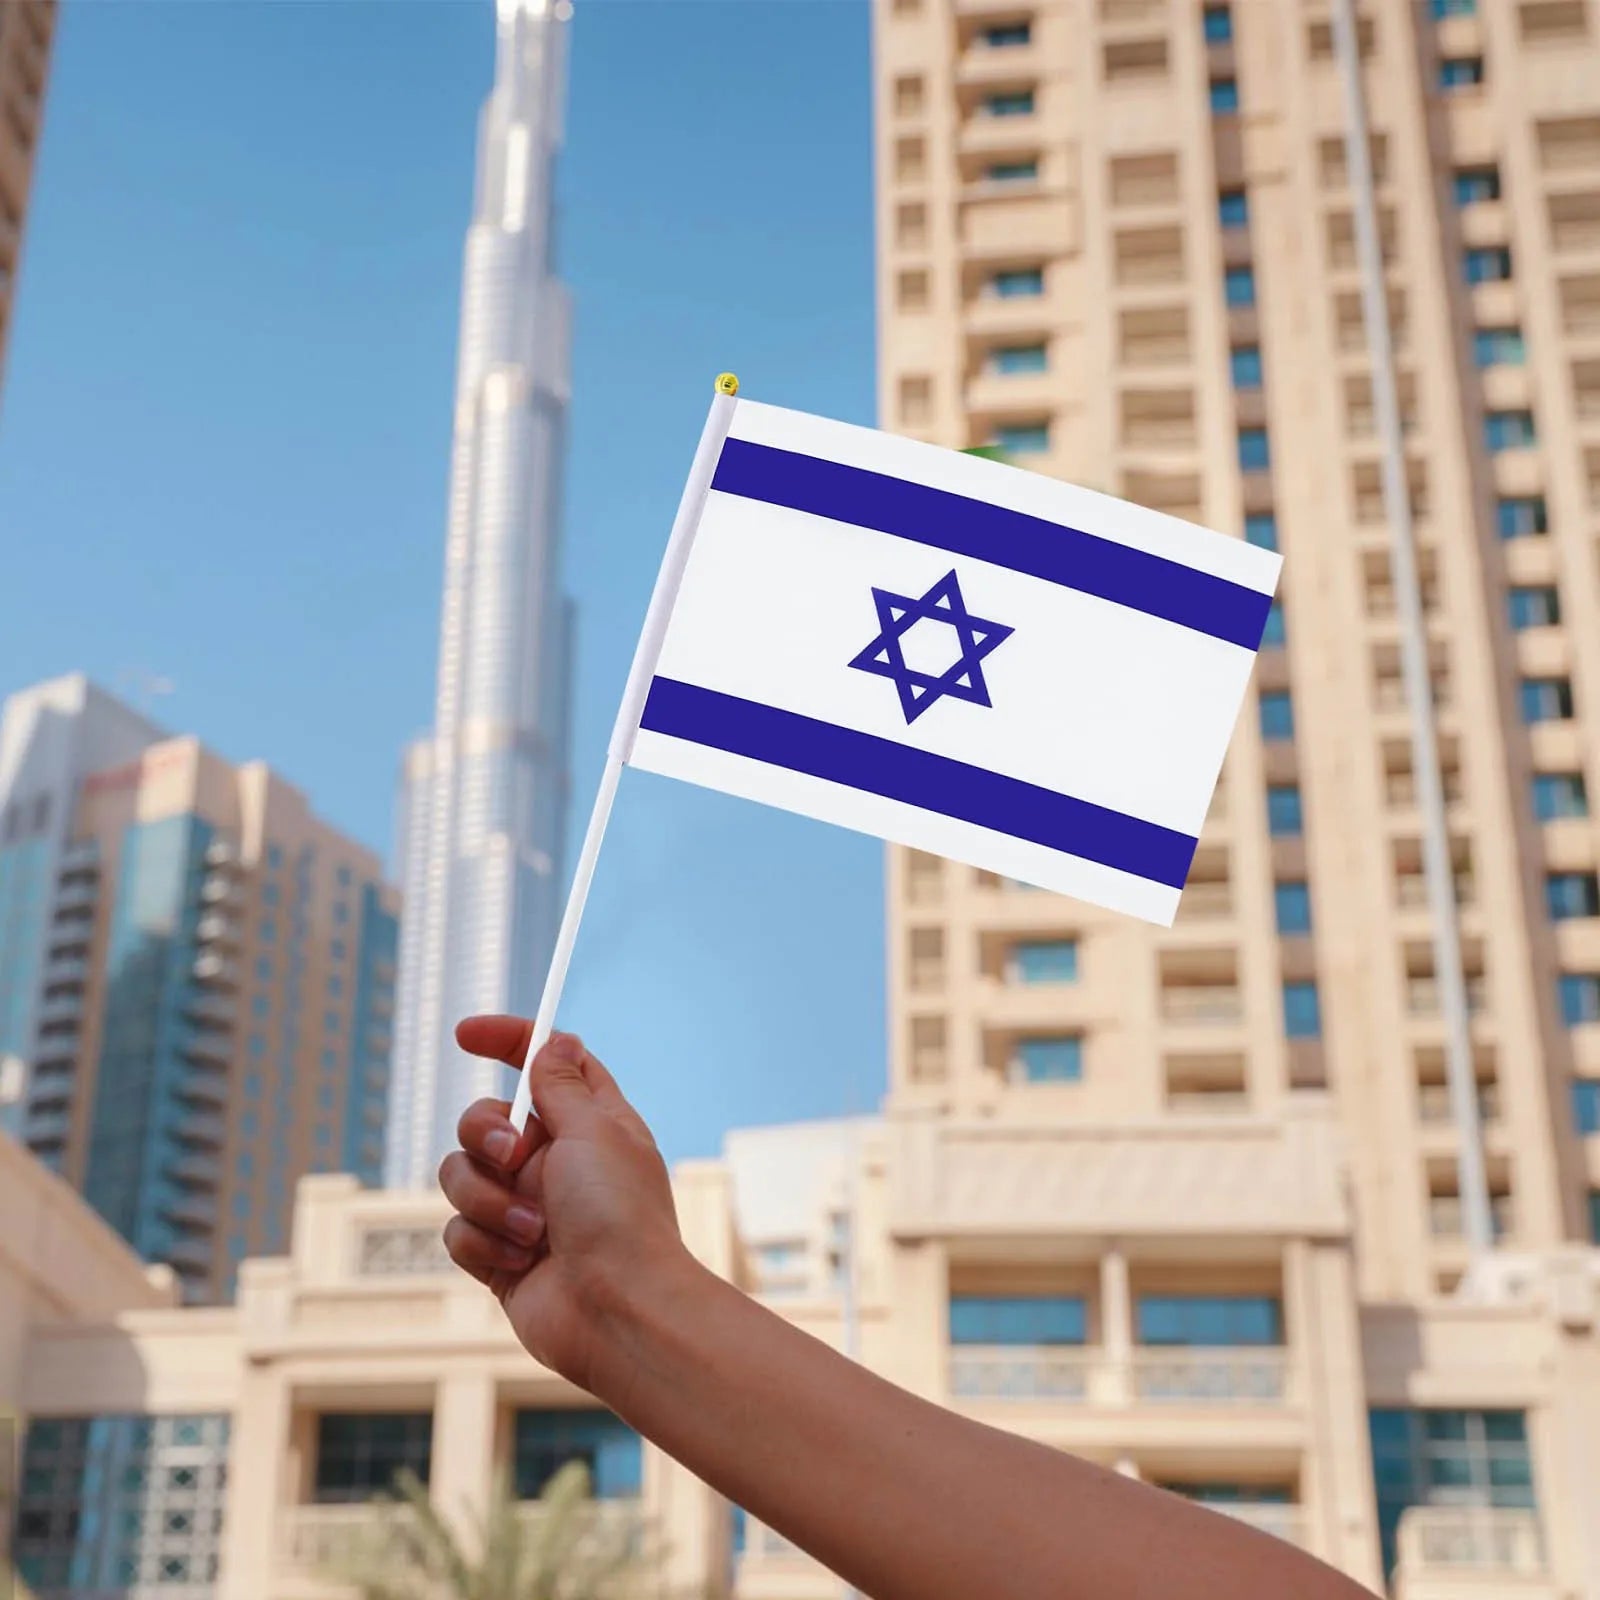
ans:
x=212 y=990
x=484 y=798
x=1126 y=241
x=26 y=30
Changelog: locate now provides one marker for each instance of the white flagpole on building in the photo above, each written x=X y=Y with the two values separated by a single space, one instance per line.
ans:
x=626 y=727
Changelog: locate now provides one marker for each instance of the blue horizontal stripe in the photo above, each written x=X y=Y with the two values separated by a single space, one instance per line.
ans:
x=965 y=527
x=918 y=778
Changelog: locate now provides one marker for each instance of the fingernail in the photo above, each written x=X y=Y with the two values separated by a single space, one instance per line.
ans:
x=499 y=1144
x=525 y=1222
x=567 y=1046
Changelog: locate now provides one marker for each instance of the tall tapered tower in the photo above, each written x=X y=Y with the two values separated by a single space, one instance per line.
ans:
x=483 y=798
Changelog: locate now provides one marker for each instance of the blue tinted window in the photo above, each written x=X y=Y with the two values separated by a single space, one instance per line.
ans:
x=258 y=1045
x=274 y=856
x=1460 y=72
x=1012 y=171
x=1302 y=1014
x=1016 y=103
x=1520 y=516
x=1261 y=528
x=1545 y=699
x=545 y=1441
x=1498 y=347
x=1051 y=1060
x=1244 y=364
x=1508 y=430
x=343 y=877
x=1489 y=264
x=1239 y=286
x=1571 y=894
x=1007 y=35
x=1218 y=24
x=1019 y=284
x=1283 y=811
x=1016 y=1319
x=1224 y=95
x=1579 y=993
x=1022 y=439
x=241 y=1206
x=1273 y=633
x=252 y=1085
x=1046 y=960
x=269 y=894
x=1233 y=208
x=1472 y=184
x=1292 y=902
x=1452 y=8
x=1012 y=358
x=1254 y=452
x=260 y=1006
x=1209 y=1319
x=1594 y=1216
x=1277 y=714
x=1559 y=794
x=1533 y=605
x=269 y=931
x=1586 y=1105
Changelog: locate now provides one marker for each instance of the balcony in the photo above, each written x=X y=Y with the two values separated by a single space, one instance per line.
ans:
x=222 y=853
x=1282 y=1520
x=212 y=967
x=219 y=889
x=63 y=970
x=215 y=928
x=75 y=897
x=189 y=1210
x=191 y=1253
x=199 y=1168
x=82 y=855
x=1020 y=1372
x=47 y=1125
x=1196 y=1376
x=60 y=1010
x=1190 y=1004
x=1206 y=900
x=1450 y=1551
x=769 y=1567
x=206 y=1046
x=204 y=1005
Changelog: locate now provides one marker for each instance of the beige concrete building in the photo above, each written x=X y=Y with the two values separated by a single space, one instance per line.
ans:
x=210 y=973
x=26 y=28
x=1123 y=239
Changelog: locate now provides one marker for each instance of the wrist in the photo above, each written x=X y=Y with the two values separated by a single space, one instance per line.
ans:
x=634 y=1312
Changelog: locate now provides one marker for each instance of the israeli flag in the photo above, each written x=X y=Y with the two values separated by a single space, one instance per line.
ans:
x=978 y=661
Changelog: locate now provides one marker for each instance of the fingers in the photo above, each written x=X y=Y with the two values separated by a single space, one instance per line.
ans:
x=495 y=1038
x=482 y=1253
x=490 y=1207
x=485 y=1132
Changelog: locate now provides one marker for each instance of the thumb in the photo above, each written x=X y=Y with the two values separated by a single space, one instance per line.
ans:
x=561 y=1094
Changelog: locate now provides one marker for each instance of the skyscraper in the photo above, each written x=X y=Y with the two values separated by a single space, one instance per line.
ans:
x=1343 y=302
x=26 y=27
x=197 y=977
x=484 y=797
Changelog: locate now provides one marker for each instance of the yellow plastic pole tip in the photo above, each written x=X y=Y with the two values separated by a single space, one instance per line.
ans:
x=727 y=383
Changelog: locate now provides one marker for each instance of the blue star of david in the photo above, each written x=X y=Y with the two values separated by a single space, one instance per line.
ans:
x=975 y=636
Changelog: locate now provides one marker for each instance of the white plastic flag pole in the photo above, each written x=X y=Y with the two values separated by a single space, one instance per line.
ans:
x=626 y=727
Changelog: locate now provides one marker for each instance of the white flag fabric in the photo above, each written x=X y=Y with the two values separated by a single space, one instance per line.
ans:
x=958 y=655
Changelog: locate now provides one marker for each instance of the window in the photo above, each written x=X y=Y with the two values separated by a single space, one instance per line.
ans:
x=1233 y=208
x=1239 y=286
x=1498 y=347
x=1559 y=794
x=1586 y=1105
x=1016 y=1319
x=269 y=894
x=911 y=290
x=247 y=1164
x=336 y=949
x=1022 y=438
x=1012 y=172
x=1452 y=8
x=269 y=931
x=1046 y=960
x=1015 y=103
x=1579 y=994
x=1486 y=264
x=1244 y=363
x=1456 y=1458
x=1261 y=528
x=1545 y=699
x=1055 y=1059
x=1015 y=358
x=1460 y=72
x=1292 y=901
x=335 y=987
x=260 y=1006
x=1224 y=95
x=1008 y=35
x=1254 y=454
x=1273 y=633
x=1277 y=714
x=543 y=1442
x=341 y=912
x=1473 y=184
x=1209 y=1319
x=274 y=856
x=1508 y=430
x=1302 y=1014
x=908 y=96
x=1284 y=820
x=1571 y=894
x=1521 y=516
x=258 y=1045
x=359 y=1453
x=1018 y=284
x=1533 y=606
x=1217 y=22
x=342 y=877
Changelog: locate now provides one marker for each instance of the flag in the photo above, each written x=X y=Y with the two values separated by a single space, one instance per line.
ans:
x=981 y=662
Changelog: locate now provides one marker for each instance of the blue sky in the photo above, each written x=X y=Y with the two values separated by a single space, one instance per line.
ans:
x=225 y=425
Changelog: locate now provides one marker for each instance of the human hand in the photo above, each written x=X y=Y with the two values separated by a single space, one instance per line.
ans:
x=565 y=1222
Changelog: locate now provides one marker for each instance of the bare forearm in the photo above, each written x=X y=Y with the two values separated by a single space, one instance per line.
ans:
x=903 y=1499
